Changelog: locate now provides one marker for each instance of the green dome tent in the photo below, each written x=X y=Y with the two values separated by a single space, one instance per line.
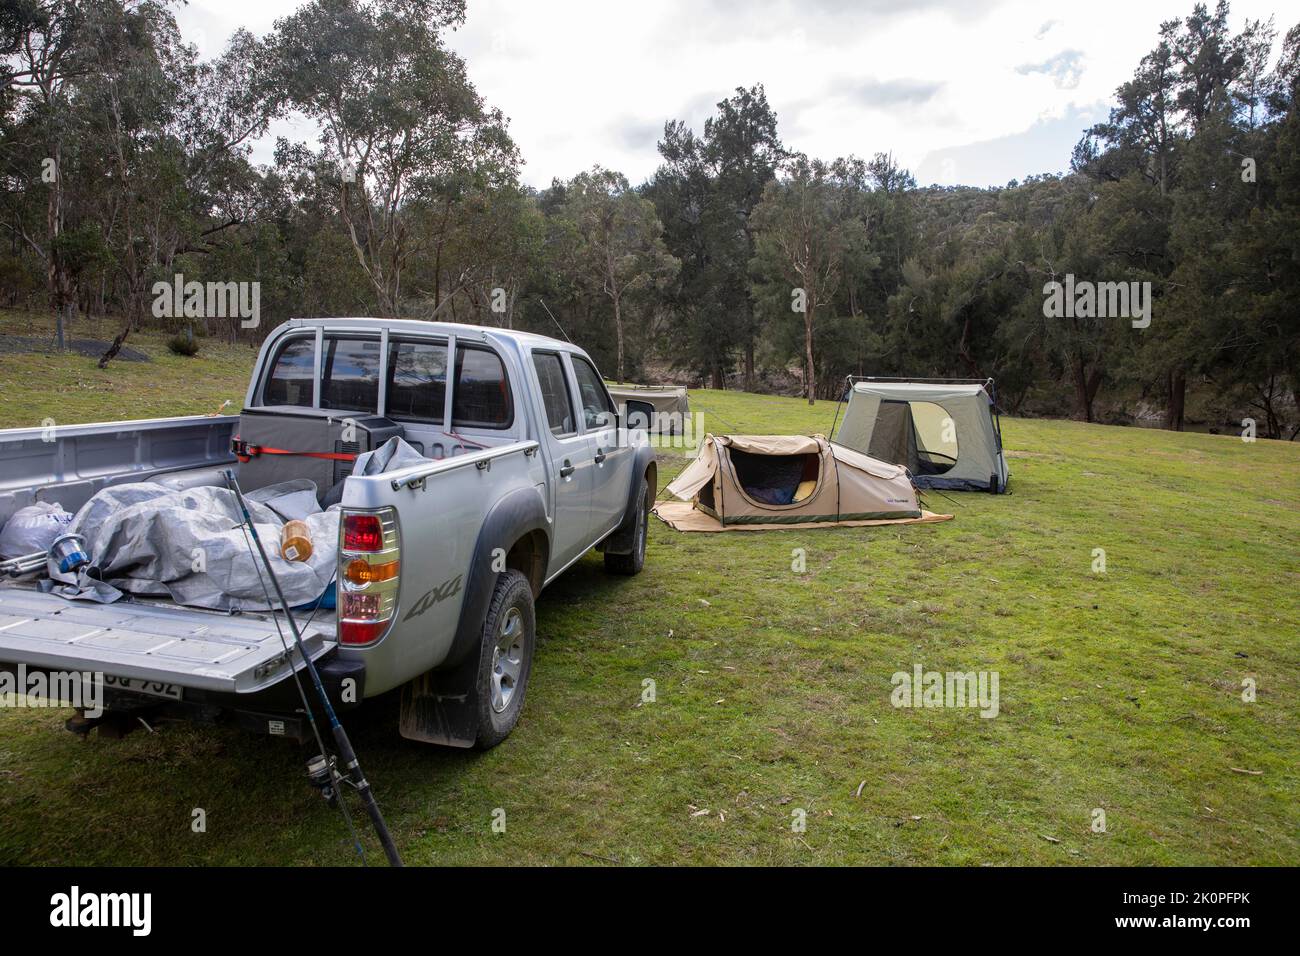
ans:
x=946 y=433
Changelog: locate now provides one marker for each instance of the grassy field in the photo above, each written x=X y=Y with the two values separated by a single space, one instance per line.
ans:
x=1120 y=692
x=70 y=389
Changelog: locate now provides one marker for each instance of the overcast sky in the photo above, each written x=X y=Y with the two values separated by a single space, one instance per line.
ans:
x=961 y=91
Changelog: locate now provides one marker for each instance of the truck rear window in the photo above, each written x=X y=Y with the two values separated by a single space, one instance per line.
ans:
x=417 y=385
x=350 y=374
x=481 y=398
x=291 y=378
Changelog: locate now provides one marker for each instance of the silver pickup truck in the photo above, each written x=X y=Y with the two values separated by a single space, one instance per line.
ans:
x=527 y=465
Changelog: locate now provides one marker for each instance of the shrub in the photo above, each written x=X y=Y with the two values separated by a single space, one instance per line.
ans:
x=183 y=344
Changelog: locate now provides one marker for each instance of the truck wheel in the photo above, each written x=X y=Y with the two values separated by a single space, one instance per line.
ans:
x=505 y=658
x=633 y=562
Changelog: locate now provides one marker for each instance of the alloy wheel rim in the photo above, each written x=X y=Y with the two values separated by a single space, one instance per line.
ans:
x=507 y=660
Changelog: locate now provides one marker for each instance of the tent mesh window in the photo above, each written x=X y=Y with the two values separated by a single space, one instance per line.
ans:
x=776 y=479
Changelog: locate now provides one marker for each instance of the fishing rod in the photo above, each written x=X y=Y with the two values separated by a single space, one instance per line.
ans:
x=322 y=772
x=347 y=756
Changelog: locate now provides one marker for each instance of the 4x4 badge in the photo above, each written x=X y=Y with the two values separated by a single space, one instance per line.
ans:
x=435 y=594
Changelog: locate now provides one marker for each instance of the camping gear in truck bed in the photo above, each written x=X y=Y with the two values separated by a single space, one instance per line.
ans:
x=278 y=443
x=191 y=545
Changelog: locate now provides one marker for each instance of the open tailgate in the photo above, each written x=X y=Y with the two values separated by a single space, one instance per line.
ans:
x=208 y=650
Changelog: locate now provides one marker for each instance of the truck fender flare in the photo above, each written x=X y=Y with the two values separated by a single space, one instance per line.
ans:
x=622 y=539
x=516 y=514
x=441 y=706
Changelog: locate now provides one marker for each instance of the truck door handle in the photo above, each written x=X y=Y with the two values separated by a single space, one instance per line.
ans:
x=567 y=470
x=600 y=456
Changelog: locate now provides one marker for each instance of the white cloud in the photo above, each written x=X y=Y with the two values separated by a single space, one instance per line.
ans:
x=586 y=82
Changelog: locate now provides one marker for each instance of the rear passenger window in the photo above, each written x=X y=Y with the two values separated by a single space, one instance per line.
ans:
x=293 y=373
x=555 y=393
x=597 y=409
x=481 y=396
x=350 y=374
x=417 y=386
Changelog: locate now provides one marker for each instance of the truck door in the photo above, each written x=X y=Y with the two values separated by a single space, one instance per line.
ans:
x=569 y=460
x=612 y=461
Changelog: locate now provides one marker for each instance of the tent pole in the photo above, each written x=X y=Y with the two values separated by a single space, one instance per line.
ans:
x=848 y=387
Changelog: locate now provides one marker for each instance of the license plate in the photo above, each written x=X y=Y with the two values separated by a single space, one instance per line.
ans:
x=137 y=685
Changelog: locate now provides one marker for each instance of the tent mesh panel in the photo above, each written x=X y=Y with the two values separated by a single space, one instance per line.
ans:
x=773 y=479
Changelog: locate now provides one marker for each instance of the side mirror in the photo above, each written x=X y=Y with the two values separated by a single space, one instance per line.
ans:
x=640 y=415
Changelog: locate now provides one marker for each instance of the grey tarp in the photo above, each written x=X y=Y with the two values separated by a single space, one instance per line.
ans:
x=191 y=545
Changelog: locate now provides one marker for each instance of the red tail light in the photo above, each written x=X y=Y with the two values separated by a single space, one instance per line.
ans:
x=361 y=632
x=362 y=533
x=369 y=574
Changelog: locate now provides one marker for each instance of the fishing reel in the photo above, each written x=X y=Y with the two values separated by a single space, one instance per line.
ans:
x=322 y=776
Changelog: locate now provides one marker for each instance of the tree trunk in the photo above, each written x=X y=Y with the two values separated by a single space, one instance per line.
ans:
x=618 y=334
x=719 y=380
x=1176 y=382
x=1094 y=382
x=810 y=377
x=60 y=286
x=749 y=364
x=1272 y=420
x=1086 y=384
x=116 y=347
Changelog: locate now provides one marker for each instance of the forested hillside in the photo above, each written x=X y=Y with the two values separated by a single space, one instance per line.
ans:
x=741 y=263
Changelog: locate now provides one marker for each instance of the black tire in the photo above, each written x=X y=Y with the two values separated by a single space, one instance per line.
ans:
x=633 y=562
x=511 y=606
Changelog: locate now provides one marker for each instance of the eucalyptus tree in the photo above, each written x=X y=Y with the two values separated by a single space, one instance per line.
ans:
x=619 y=248
x=400 y=123
x=743 y=151
x=43 y=54
x=705 y=332
x=805 y=242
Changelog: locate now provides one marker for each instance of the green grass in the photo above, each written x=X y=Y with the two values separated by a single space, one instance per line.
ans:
x=1119 y=691
x=70 y=389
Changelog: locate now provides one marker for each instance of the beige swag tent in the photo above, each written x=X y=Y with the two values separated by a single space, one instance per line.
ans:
x=751 y=482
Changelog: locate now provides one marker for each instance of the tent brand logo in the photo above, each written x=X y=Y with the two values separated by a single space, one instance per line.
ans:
x=53 y=689
x=210 y=300
x=922 y=688
x=75 y=909
x=1098 y=300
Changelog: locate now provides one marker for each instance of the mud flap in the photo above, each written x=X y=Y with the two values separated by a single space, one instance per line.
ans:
x=441 y=707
